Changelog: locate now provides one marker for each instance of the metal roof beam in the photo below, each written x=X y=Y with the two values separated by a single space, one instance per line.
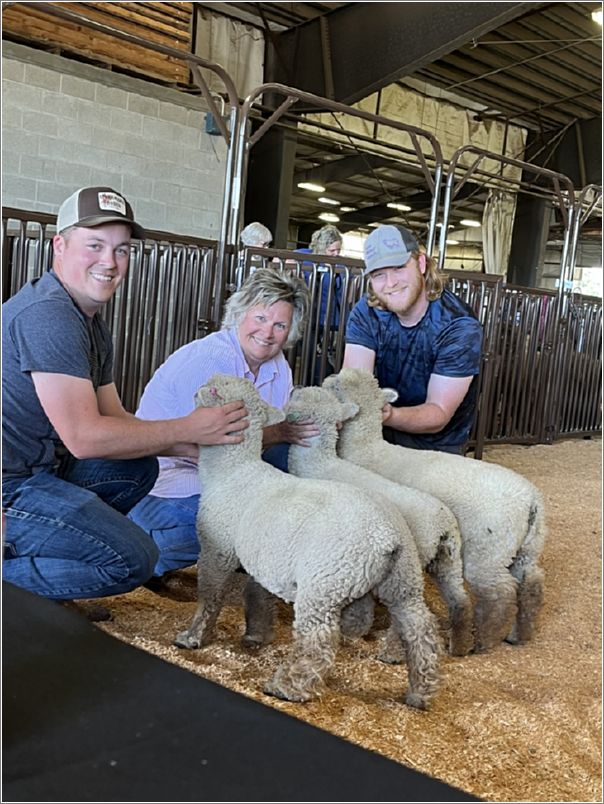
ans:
x=342 y=169
x=361 y=47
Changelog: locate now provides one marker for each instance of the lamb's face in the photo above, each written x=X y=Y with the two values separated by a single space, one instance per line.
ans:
x=320 y=405
x=354 y=385
x=221 y=389
x=360 y=387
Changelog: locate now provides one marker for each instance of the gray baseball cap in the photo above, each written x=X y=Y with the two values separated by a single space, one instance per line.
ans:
x=93 y=206
x=388 y=246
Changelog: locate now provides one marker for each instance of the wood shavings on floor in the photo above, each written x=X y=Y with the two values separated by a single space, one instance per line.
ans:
x=517 y=724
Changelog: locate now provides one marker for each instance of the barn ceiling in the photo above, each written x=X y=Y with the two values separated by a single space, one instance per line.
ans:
x=541 y=68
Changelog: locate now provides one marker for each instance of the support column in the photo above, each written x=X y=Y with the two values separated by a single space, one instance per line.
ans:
x=529 y=240
x=269 y=182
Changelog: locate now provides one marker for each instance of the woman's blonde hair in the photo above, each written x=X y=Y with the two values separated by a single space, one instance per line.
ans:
x=433 y=279
x=267 y=286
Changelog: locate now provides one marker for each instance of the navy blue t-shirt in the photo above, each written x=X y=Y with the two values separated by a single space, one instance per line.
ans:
x=447 y=341
x=43 y=330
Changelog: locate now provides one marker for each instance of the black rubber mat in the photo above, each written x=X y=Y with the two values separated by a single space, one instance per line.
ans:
x=88 y=718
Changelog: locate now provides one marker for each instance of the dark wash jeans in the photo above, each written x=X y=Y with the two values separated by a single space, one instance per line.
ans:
x=67 y=535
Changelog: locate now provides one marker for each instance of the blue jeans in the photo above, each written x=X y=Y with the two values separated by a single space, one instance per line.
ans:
x=171 y=521
x=67 y=535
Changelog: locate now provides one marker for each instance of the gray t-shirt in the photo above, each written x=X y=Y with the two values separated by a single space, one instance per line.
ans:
x=44 y=330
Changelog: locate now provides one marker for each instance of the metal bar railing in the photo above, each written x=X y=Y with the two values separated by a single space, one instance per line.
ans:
x=531 y=354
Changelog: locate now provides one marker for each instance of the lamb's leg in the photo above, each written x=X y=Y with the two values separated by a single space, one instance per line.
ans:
x=259 y=615
x=316 y=638
x=392 y=650
x=214 y=568
x=495 y=606
x=357 y=617
x=418 y=630
x=529 y=598
x=447 y=571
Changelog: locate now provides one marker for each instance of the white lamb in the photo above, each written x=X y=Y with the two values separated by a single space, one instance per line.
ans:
x=318 y=545
x=432 y=524
x=500 y=514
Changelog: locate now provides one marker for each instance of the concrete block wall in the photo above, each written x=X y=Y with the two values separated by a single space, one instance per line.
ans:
x=67 y=124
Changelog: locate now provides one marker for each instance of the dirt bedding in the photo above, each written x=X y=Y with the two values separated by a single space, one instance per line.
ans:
x=517 y=724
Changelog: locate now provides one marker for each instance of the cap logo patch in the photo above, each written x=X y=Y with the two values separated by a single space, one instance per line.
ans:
x=392 y=243
x=112 y=202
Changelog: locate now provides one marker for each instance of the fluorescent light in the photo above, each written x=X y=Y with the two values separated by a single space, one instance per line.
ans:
x=329 y=217
x=374 y=224
x=469 y=222
x=332 y=201
x=452 y=242
x=308 y=185
x=400 y=207
x=347 y=209
x=597 y=16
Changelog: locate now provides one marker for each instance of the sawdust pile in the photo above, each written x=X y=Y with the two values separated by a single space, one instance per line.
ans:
x=518 y=724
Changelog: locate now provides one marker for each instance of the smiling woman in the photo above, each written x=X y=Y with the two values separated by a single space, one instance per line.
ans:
x=264 y=317
x=263 y=332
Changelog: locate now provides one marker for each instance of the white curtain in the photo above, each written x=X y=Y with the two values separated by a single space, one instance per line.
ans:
x=497 y=224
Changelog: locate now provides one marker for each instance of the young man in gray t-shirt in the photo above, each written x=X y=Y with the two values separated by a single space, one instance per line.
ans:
x=74 y=461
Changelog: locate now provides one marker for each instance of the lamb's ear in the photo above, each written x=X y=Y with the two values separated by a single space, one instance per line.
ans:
x=201 y=397
x=208 y=396
x=348 y=410
x=390 y=394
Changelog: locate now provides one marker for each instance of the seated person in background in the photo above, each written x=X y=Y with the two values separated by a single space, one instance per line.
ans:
x=327 y=240
x=74 y=461
x=256 y=235
x=261 y=319
x=419 y=339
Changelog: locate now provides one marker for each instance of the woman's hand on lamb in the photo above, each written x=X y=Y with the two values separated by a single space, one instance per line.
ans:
x=218 y=425
x=290 y=433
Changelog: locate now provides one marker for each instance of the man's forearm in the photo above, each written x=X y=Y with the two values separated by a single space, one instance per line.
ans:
x=126 y=437
x=425 y=418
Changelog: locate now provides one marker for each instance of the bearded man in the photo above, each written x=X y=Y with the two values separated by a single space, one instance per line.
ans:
x=418 y=338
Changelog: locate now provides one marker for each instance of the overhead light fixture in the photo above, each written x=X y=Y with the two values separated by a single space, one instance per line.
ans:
x=376 y=223
x=329 y=217
x=597 y=16
x=450 y=226
x=469 y=222
x=452 y=242
x=308 y=185
x=331 y=201
x=347 y=209
x=400 y=207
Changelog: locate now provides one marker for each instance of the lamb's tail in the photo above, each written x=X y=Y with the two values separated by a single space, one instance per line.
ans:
x=447 y=570
x=525 y=568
